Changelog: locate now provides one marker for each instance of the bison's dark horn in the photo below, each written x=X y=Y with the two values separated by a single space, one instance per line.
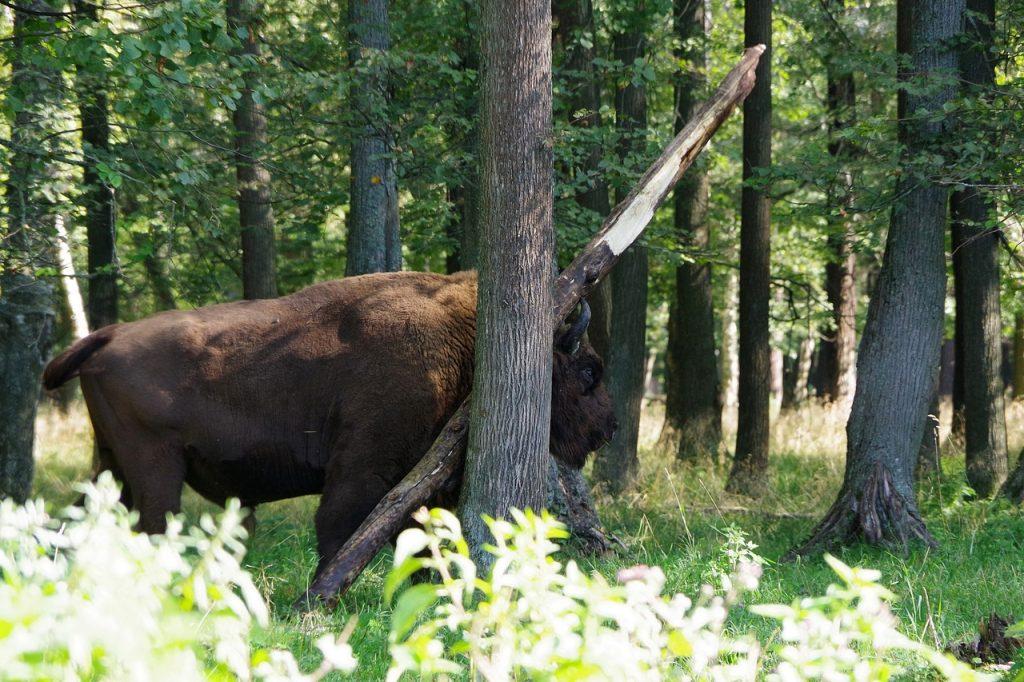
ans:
x=570 y=341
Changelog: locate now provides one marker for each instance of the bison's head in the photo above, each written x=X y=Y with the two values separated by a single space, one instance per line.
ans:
x=582 y=418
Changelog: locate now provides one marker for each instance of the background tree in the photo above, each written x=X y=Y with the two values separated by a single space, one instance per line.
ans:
x=693 y=403
x=900 y=346
x=751 y=457
x=507 y=455
x=255 y=211
x=374 y=244
x=976 y=268
x=626 y=298
x=841 y=269
x=26 y=312
x=98 y=195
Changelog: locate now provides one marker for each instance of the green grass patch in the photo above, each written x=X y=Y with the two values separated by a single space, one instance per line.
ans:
x=674 y=517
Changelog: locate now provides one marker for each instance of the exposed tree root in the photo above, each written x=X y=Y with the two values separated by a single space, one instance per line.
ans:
x=569 y=500
x=876 y=514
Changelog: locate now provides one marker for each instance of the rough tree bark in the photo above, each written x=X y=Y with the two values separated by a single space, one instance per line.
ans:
x=978 y=313
x=98 y=197
x=255 y=211
x=899 y=352
x=441 y=465
x=25 y=302
x=626 y=304
x=507 y=456
x=841 y=270
x=693 y=402
x=750 y=461
x=373 y=228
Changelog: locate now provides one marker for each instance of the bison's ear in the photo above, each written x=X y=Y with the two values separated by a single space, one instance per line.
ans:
x=569 y=340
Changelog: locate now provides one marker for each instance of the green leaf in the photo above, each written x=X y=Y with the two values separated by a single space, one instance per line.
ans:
x=399 y=574
x=413 y=602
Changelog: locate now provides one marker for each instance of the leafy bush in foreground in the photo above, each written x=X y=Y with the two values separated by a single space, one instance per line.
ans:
x=536 y=618
x=84 y=597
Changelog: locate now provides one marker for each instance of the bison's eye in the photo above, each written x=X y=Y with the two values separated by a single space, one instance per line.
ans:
x=590 y=376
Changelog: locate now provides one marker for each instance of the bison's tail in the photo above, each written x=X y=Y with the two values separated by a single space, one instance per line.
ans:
x=66 y=365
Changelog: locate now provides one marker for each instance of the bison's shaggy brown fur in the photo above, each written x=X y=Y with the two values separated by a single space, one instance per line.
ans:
x=337 y=389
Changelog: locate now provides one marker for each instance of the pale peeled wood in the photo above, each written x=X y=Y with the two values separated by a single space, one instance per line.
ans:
x=443 y=461
x=79 y=325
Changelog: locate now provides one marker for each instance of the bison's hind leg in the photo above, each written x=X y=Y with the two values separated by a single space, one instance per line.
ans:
x=154 y=470
x=105 y=461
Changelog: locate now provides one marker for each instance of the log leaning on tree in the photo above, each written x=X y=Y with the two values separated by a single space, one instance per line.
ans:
x=442 y=463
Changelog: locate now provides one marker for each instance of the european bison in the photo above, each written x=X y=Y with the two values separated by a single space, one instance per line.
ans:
x=338 y=389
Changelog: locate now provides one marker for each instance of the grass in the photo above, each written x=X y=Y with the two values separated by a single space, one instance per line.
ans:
x=674 y=517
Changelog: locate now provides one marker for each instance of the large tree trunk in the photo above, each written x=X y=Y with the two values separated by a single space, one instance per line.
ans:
x=98 y=197
x=693 y=402
x=255 y=212
x=750 y=461
x=899 y=352
x=616 y=464
x=507 y=456
x=464 y=190
x=373 y=234
x=840 y=271
x=979 y=318
x=25 y=318
x=25 y=303
x=442 y=463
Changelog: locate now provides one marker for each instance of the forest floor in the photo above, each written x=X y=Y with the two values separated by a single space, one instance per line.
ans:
x=675 y=518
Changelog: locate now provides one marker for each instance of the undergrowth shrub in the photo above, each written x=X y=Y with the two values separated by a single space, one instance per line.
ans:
x=84 y=597
x=535 y=617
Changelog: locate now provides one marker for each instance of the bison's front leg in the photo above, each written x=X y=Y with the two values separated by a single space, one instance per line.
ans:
x=348 y=498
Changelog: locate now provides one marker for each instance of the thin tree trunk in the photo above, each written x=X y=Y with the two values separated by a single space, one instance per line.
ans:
x=899 y=353
x=979 y=318
x=507 y=456
x=958 y=424
x=693 y=402
x=750 y=461
x=98 y=197
x=803 y=371
x=841 y=270
x=373 y=229
x=26 y=313
x=463 y=192
x=1018 y=356
x=575 y=32
x=255 y=212
x=616 y=464
x=929 y=460
x=730 y=374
